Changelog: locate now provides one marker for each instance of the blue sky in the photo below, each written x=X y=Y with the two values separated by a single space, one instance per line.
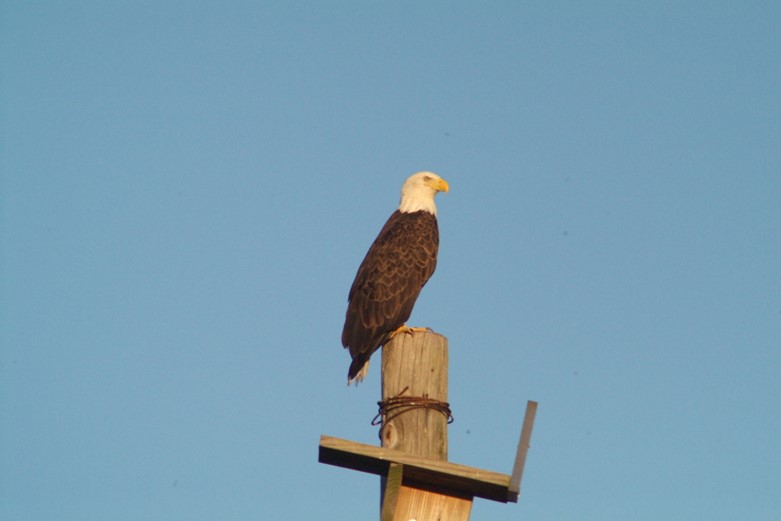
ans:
x=188 y=189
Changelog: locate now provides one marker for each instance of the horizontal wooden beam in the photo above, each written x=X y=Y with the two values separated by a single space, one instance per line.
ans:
x=425 y=473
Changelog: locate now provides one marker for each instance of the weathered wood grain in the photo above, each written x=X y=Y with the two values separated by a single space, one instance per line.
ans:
x=416 y=365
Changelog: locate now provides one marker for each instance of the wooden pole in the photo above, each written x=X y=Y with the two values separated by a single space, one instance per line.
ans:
x=415 y=365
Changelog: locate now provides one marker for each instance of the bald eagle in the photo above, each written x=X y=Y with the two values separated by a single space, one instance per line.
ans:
x=397 y=266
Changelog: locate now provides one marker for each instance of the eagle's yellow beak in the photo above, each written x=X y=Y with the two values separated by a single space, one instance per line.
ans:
x=440 y=185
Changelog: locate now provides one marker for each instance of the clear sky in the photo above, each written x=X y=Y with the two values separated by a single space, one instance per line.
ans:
x=188 y=189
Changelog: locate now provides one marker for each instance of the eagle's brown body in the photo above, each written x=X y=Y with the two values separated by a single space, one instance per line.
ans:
x=389 y=280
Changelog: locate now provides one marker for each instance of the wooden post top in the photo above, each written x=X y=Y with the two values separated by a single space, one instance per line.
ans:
x=415 y=366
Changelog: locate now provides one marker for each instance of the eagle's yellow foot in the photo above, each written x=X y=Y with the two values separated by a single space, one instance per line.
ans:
x=409 y=330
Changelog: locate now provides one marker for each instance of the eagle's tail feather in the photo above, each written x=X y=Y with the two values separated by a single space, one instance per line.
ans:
x=358 y=369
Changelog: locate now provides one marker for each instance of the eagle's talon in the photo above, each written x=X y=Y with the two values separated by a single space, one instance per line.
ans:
x=411 y=330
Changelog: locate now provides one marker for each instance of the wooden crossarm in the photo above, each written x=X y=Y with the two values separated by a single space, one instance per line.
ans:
x=422 y=472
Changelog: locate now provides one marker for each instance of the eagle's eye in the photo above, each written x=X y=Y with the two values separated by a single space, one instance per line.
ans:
x=426 y=178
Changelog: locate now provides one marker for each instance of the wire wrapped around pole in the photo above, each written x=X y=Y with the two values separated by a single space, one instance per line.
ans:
x=392 y=407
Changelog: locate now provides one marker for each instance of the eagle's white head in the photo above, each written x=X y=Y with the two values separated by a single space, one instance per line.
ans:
x=419 y=190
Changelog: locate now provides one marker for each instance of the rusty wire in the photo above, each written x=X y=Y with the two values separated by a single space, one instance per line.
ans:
x=400 y=404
